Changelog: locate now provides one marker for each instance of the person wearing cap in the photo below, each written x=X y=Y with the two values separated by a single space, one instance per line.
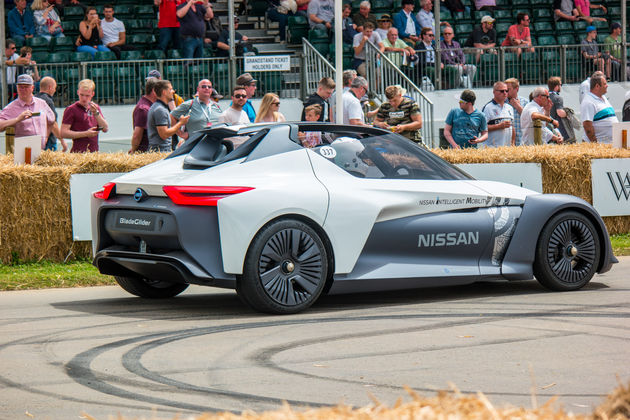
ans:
x=325 y=88
x=399 y=114
x=223 y=43
x=408 y=26
x=539 y=109
x=199 y=108
x=192 y=16
x=425 y=15
x=140 y=138
x=518 y=35
x=500 y=118
x=246 y=80
x=31 y=116
x=363 y=16
x=47 y=89
x=384 y=25
x=83 y=120
x=592 y=56
x=483 y=37
x=465 y=126
x=613 y=48
x=597 y=115
x=352 y=109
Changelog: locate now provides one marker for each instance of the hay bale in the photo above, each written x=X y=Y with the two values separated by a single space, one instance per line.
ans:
x=98 y=162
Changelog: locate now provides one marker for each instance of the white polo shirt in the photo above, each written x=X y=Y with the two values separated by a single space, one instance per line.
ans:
x=527 y=125
x=352 y=108
x=496 y=114
x=601 y=114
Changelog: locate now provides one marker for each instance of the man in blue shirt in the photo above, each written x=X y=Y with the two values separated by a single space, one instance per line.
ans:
x=249 y=83
x=465 y=126
x=21 y=24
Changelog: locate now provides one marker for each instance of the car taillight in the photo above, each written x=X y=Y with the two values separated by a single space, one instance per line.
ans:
x=200 y=196
x=107 y=190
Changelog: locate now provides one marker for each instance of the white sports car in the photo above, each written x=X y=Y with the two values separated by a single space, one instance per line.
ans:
x=365 y=210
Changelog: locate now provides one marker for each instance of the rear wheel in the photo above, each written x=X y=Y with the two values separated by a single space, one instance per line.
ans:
x=567 y=252
x=285 y=268
x=146 y=288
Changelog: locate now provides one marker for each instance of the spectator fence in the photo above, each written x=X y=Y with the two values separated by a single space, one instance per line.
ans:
x=381 y=72
x=315 y=67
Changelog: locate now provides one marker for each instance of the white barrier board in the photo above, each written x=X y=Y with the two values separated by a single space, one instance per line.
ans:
x=20 y=145
x=616 y=133
x=526 y=175
x=611 y=186
x=81 y=188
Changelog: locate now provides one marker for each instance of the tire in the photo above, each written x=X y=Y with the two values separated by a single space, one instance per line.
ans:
x=285 y=268
x=567 y=252
x=146 y=288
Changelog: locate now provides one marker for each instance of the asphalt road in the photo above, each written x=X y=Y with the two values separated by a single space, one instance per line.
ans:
x=99 y=351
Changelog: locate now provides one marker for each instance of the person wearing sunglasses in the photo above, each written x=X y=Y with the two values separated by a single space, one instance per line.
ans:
x=198 y=108
x=500 y=117
x=235 y=114
x=518 y=35
x=426 y=54
x=269 y=110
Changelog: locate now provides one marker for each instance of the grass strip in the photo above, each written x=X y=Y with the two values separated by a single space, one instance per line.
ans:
x=81 y=273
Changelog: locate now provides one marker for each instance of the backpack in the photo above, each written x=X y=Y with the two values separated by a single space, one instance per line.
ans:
x=571 y=124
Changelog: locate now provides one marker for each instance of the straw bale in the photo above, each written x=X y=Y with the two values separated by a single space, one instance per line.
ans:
x=98 y=162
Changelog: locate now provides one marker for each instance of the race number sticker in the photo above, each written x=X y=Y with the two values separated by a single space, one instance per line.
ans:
x=327 y=152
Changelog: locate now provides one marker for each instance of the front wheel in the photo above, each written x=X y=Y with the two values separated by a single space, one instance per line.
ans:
x=285 y=268
x=146 y=288
x=567 y=252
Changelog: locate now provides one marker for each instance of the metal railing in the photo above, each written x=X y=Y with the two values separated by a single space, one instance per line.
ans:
x=315 y=67
x=122 y=82
x=381 y=72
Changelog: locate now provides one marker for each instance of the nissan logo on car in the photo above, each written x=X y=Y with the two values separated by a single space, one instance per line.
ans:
x=140 y=195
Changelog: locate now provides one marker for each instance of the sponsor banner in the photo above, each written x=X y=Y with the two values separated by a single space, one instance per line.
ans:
x=526 y=175
x=267 y=63
x=611 y=186
x=81 y=188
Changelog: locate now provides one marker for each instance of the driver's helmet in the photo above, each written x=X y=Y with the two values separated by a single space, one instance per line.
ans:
x=347 y=157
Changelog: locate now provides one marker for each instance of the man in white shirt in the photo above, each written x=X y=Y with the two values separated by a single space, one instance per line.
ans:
x=425 y=15
x=352 y=110
x=114 y=36
x=235 y=114
x=596 y=112
x=538 y=109
x=500 y=117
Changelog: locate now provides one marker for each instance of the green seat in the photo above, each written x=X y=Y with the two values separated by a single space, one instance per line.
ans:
x=520 y=9
x=489 y=67
x=141 y=26
x=40 y=57
x=601 y=25
x=81 y=56
x=258 y=8
x=123 y=11
x=574 y=71
x=70 y=28
x=141 y=40
x=512 y=65
x=579 y=26
x=59 y=57
x=503 y=15
x=103 y=77
x=568 y=39
x=38 y=43
x=461 y=17
x=531 y=66
x=144 y=11
x=478 y=14
x=73 y=13
x=502 y=28
x=552 y=63
x=270 y=81
x=63 y=44
x=381 y=6
x=128 y=86
x=297 y=28
x=131 y=55
x=105 y=56
x=563 y=27
x=322 y=47
x=317 y=35
x=543 y=28
x=175 y=54
x=463 y=28
x=446 y=15
x=154 y=55
x=542 y=14
x=547 y=40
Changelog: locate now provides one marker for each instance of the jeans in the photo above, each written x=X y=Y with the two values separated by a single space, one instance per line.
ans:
x=169 y=35
x=193 y=47
x=282 y=20
x=92 y=50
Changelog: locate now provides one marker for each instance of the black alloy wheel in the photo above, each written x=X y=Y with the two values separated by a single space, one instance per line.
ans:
x=567 y=253
x=285 y=268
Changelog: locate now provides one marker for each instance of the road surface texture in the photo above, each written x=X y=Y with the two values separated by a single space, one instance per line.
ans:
x=100 y=351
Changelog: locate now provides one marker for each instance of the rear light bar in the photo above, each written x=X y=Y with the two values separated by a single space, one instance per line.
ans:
x=107 y=190
x=200 y=196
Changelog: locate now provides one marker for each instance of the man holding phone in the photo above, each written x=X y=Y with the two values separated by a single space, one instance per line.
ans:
x=29 y=115
x=83 y=120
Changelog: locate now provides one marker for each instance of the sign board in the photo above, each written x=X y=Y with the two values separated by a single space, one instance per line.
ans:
x=616 y=133
x=267 y=63
x=81 y=188
x=21 y=143
x=526 y=175
x=611 y=186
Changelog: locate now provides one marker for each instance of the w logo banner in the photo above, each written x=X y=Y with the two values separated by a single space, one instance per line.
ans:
x=620 y=184
x=611 y=186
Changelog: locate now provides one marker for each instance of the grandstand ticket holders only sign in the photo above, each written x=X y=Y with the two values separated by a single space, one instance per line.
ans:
x=611 y=186
x=267 y=63
x=27 y=146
